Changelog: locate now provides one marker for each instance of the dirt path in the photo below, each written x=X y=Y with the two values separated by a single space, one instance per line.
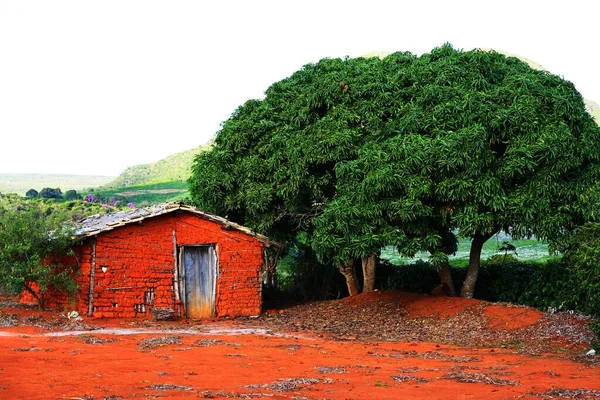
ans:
x=253 y=363
x=389 y=345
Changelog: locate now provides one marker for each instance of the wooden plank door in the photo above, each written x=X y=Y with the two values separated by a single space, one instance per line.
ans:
x=200 y=271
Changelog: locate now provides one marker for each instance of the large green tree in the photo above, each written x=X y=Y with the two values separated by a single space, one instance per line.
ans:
x=406 y=151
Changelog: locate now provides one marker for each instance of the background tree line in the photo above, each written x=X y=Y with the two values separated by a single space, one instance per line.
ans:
x=53 y=193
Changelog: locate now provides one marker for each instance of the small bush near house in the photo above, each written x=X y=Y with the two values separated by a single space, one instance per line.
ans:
x=30 y=234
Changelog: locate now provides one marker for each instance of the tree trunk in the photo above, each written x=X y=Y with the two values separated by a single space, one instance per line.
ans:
x=446 y=279
x=270 y=257
x=348 y=271
x=468 y=287
x=368 y=267
x=39 y=298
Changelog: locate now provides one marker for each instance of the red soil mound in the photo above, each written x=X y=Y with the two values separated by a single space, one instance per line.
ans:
x=385 y=296
x=500 y=316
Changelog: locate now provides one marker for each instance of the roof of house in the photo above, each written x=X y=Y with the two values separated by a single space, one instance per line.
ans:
x=96 y=224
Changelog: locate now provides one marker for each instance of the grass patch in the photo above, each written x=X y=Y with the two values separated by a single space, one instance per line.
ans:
x=147 y=194
x=527 y=250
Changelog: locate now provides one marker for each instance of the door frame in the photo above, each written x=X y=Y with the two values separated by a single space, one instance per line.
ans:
x=181 y=276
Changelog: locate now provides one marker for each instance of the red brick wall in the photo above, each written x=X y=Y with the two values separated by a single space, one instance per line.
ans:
x=140 y=266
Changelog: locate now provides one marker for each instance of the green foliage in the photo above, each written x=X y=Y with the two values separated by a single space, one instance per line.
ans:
x=507 y=246
x=72 y=195
x=29 y=234
x=595 y=327
x=76 y=210
x=63 y=210
x=50 y=193
x=541 y=285
x=368 y=152
x=501 y=259
x=302 y=277
x=420 y=277
x=582 y=257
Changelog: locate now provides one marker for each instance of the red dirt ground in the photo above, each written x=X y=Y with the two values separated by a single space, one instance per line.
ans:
x=243 y=359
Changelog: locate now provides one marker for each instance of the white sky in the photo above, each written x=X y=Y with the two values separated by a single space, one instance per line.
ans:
x=92 y=87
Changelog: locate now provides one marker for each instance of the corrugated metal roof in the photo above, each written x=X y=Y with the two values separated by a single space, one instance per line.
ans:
x=96 y=224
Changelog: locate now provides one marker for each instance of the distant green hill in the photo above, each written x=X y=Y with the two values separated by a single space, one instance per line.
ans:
x=21 y=183
x=173 y=168
x=144 y=195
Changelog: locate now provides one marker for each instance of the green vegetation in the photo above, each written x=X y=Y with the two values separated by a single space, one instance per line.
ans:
x=30 y=232
x=592 y=107
x=404 y=151
x=582 y=256
x=173 y=168
x=50 y=193
x=147 y=194
x=114 y=198
x=72 y=195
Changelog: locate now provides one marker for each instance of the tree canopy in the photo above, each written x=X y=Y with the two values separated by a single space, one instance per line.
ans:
x=367 y=152
x=72 y=195
x=50 y=193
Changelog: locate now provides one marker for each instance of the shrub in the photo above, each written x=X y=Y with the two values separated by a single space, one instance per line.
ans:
x=50 y=193
x=28 y=236
x=311 y=280
x=420 y=277
x=302 y=277
x=540 y=285
x=582 y=258
x=72 y=195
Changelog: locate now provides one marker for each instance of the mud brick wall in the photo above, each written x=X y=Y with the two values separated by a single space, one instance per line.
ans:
x=239 y=264
x=135 y=268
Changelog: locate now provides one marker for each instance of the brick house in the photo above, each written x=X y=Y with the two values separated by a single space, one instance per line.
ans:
x=169 y=258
